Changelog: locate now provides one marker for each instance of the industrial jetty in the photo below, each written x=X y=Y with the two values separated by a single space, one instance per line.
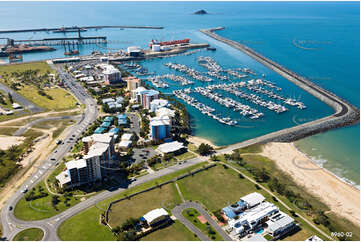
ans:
x=345 y=113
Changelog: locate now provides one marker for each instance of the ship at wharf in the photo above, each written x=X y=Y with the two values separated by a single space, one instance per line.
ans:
x=345 y=113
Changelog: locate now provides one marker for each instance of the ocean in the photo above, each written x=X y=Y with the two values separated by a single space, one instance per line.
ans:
x=319 y=40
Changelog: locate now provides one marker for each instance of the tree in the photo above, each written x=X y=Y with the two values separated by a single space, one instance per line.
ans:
x=205 y=149
x=116 y=230
x=54 y=201
x=10 y=97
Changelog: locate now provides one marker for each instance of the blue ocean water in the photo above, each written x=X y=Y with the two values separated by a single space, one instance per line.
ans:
x=318 y=40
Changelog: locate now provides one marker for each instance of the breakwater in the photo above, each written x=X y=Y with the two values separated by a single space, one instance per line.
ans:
x=345 y=113
x=76 y=27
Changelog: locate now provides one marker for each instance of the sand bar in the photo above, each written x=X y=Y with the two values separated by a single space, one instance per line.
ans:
x=199 y=140
x=341 y=197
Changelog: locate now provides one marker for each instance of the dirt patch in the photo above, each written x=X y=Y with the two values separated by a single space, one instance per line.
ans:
x=7 y=141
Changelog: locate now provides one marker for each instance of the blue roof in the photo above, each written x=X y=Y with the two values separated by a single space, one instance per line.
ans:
x=114 y=130
x=106 y=124
x=99 y=130
x=108 y=119
x=123 y=115
x=122 y=121
x=229 y=212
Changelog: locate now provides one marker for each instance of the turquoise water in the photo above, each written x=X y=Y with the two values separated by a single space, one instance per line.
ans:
x=318 y=40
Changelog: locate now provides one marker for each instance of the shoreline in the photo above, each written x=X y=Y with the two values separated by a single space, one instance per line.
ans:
x=197 y=140
x=343 y=179
x=342 y=198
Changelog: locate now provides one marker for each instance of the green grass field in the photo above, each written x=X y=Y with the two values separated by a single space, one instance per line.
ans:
x=164 y=197
x=41 y=208
x=32 y=234
x=60 y=98
x=215 y=188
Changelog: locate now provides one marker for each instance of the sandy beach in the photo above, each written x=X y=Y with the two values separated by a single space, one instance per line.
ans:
x=199 y=140
x=341 y=197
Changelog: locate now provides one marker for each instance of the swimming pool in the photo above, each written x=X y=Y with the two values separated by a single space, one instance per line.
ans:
x=260 y=231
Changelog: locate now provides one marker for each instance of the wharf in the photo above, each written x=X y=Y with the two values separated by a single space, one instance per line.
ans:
x=345 y=113
x=61 y=41
x=76 y=27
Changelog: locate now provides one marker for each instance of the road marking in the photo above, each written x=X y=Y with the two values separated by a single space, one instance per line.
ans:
x=36 y=177
x=31 y=181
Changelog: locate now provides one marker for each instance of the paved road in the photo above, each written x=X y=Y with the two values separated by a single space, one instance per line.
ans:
x=10 y=224
x=20 y=99
x=23 y=129
x=177 y=212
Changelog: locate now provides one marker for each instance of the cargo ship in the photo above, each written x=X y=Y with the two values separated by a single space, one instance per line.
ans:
x=172 y=42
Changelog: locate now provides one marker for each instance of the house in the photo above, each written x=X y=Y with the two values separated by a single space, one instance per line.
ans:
x=16 y=106
x=253 y=199
x=160 y=127
x=109 y=119
x=280 y=224
x=100 y=130
x=126 y=141
x=122 y=119
x=235 y=209
x=155 y=217
x=107 y=100
x=171 y=147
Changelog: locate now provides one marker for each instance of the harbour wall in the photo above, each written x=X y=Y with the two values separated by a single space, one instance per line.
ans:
x=345 y=113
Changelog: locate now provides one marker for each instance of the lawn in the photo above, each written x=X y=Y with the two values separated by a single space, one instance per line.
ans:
x=175 y=232
x=185 y=156
x=215 y=188
x=32 y=234
x=164 y=197
x=257 y=148
x=85 y=226
x=62 y=99
x=42 y=208
x=191 y=214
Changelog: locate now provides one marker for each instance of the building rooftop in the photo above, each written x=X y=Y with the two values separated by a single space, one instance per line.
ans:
x=253 y=199
x=124 y=143
x=78 y=164
x=102 y=138
x=170 y=147
x=63 y=177
x=154 y=214
x=114 y=130
x=127 y=136
x=278 y=221
x=107 y=100
x=159 y=121
x=163 y=111
x=314 y=238
x=109 y=119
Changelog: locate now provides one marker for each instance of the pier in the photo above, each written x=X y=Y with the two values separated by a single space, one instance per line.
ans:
x=62 y=41
x=76 y=27
x=345 y=113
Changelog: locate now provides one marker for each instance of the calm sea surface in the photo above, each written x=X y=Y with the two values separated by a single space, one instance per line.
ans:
x=317 y=40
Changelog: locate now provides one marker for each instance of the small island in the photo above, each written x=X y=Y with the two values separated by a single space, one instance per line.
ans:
x=201 y=12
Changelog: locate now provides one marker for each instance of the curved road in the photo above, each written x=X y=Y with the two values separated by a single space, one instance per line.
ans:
x=177 y=212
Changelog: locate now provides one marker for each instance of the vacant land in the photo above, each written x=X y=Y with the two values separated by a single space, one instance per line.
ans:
x=164 y=197
x=32 y=234
x=35 y=82
x=215 y=188
x=175 y=232
x=9 y=158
